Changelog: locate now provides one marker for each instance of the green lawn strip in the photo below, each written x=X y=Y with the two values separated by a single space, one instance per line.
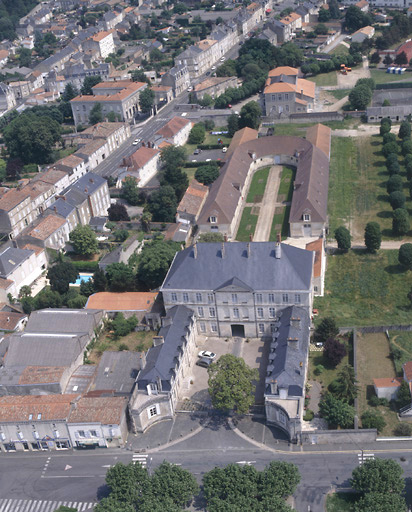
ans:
x=190 y=171
x=382 y=77
x=366 y=289
x=213 y=139
x=286 y=183
x=340 y=93
x=401 y=340
x=341 y=502
x=340 y=50
x=258 y=185
x=135 y=341
x=247 y=225
x=325 y=79
x=280 y=219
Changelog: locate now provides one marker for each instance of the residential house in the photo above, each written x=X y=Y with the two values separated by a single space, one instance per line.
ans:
x=120 y=97
x=176 y=131
x=12 y=321
x=143 y=305
x=74 y=168
x=51 y=231
x=319 y=266
x=4 y=57
x=214 y=86
x=163 y=94
x=286 y=27
x=199 y=57
x=240 y=288
x=363 y=33
x=111 y=19
x=98 y=421
x=15 y=211
x=161 y=383
x=286 y=371
x=363 y=5
x=285 y=93
x=178 y=78
x=102 y=42
x=387 y=387
x=35 y=423
x=192 y=203
x=143 y=164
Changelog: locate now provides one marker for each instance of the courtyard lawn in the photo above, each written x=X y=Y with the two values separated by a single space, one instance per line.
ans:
x=329 y=373
x=135 y=341
x=280 y=223
x=341 y=502
x=381 y=76
x=190 y=171
x=286 y=184
x=258 y=185
x=401 y=340
x=325 y=79
x=366 y=289
x=247 y=224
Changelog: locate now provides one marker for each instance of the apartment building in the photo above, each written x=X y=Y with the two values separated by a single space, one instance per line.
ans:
x=176 y=131
x=16 y=212
x=7 y=98
x=143 y=164
x=102 y=41
x=178 y=78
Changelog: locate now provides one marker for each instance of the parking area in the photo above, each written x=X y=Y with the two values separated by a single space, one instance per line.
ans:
x=207 y=154
x=253 y=351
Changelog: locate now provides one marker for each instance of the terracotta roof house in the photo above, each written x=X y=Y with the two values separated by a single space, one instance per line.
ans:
x=10 y=321
x=319 y=266
x=387 y=387
x=363 y=33
x=51 y=232
x=320 y=136
x=143 y=164
x=176 y=131
x=192 y=202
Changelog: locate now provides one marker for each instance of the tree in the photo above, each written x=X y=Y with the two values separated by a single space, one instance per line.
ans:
x=380 y=502
x=336 y=412
x=130 y=191
x=389 y=137
x=122 y=326
x=174 y=484
x=360 y=96
x=87 y=287
x=405 y=256
x=120 y=277
x=145 y=221
x=88 y=83
x=96 y=114
x=154 y=262
x=70 y=92
x=324 y=15
x=401 y=59
x=378 y=475
x=84 y=241
x=61 y=275
x=63 y=508
x=99 y=281
x=355 y=19
x=117 y=212
x=32 y=138
x=373 y=236
x=326 y=329
x=343 y=238
x=173 y=157
x=334 y=351
x=403 y=397
x=146 y=99
x=232 y=124
x=406 y=147
x=127 y=483
x=120 y=235
x=206 y=101
x=387 y=60
x=390 y=147
x=139 y=76
x=403 y=429
x=210 y=237
x=373 y=419
x=405 y=130
x=231 y=384
x=375 y=58
x=346 y=389
x=394 y=183
x=25 y=291
x=400 y=222
x=197 y=134
x=397 y=199
x=250 y=115
x=207 y=174
x=385 y=127
x=163 y=204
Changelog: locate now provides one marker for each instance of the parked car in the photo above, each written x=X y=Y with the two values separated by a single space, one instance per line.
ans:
x=190 y=89
x=222 y=59
x=213 y=68
x=136 y=142
x=224 y=150
x=319 y=344
x=197 y=151
x=207 y=354
x=204 y=362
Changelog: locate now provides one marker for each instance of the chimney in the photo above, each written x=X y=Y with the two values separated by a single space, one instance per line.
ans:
x=91 y=180
x=195 y=250
x=158 y=340
x=274 y=387
x=250 y=237
x=223 y=250
x=248 y=249
x=225 y=237
x=8 y=319
x=278 y=247
x=86 y=190
x=55 y=209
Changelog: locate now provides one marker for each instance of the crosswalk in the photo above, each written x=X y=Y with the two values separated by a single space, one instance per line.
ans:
x=138 y=457
x=12 y=505
x=362 y=457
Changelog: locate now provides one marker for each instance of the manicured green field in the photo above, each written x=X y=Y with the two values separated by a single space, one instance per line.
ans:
x=325 y=79
x=258 y=185
x=247 y=225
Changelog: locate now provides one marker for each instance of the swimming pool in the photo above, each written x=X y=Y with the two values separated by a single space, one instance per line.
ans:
x=82 y=277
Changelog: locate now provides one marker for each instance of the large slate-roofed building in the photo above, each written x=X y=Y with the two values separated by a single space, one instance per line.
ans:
x=237 y=288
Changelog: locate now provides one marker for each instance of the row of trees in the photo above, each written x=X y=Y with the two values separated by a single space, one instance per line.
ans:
x=173 y=488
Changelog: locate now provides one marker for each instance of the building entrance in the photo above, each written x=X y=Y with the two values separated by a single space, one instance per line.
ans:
x=238 y=330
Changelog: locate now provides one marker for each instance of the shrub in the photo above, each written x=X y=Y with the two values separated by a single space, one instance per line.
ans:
x=394 y=184
x=309 y=415
x=390 y=147
x=343 y=238
x=375 y=401
x=318 y=369
x=397 y=199
x=403 y=429
x=373 y=419
x=389 y=137
x=327 y=328
x=400 y=222
x=334 y=351
x=86 y=266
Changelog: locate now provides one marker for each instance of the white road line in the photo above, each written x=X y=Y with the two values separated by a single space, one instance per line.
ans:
x=19 y=505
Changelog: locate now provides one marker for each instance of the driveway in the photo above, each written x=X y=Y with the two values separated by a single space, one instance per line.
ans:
x=268 y=206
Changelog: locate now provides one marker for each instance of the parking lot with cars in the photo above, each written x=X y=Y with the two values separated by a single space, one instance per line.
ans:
x=207 y=154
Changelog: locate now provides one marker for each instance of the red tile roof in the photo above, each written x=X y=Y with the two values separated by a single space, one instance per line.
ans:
x=105 y=410
x=35 y=407
x=407 y=370
x=387 y=382
x=127 y=301
x=173 y=127
x=142 y=156
x=47 y=227
x=9 y=320
x=317 y=247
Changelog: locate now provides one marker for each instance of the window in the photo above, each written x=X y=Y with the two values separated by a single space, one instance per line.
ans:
x=185 y=297
x=234 y=298
x=30 y=416
x=236 y=312
x=285 y=298
x=39 y=416
x=81 y=433
x=152 y=388
x=286 y=96
x=152 y=411
x=271 y=297
x=297 y=298
x=202 y=327
x=213 y=327
x=272 y=313
x=210 y=298
x=259 y=298
x=213 y=220
x=212 y=312
x=200 y=312
x=260 y=312
x=306 y=216
x=57 y=434
x=272 y=327
x=261 y=328
x=93 y=433
x=20 y=435
x=174 y=297
x=282 y=417
x=315 y=288
x=198 y=297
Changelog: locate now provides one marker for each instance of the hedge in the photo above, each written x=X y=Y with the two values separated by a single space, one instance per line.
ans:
x=394 y=85
x=210 y=146
x=199 y=164
x=86 y=266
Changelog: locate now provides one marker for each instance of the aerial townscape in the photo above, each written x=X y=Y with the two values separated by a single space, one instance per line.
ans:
x=206 y=255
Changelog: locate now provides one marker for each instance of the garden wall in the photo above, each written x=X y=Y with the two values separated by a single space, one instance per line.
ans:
x=339 y=436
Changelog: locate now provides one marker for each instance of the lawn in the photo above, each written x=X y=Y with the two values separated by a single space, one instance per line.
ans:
x=247 y=225
x=280 y=222
x=258 y=185
x=403 y=342
x=382 y=77
x=190 y=171
x=340 y=93
x=325 y=79
x=329 y=373
x=209 y=139
x=135 y=341
x=340 y=50
x=366 y=289
x=341 y=502
x=374 y=362
x=286 y=184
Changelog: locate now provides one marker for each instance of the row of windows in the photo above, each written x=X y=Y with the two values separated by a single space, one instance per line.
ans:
x=261 y=327
x=279 y=97
x=286 y=298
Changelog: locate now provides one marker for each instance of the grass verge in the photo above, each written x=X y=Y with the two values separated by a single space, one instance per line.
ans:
x=402 y=341
x=340 y=93
x=247 y=225
x=258 y=185
x=285 y=191
x=382 y=77
x=325 y=79
x=341 y=502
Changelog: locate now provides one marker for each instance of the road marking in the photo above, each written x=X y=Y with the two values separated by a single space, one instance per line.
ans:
x=363 y=457
x=246 y=462
x=107 y=466
x=68 y=467
x=142 y=459
x=12 y=505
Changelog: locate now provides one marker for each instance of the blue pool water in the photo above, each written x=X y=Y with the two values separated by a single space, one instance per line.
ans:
x=83 y=277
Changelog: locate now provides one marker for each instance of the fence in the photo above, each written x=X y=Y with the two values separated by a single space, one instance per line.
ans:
x=304 y=117
x=376 y=328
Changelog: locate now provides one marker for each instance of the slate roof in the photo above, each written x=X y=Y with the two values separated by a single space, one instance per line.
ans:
x=117 y=372
x=90 y=182
x=289 y=349
x=64 y=321
x=161 y=359
x=11 y=258
x=62 y=208
x=258 y=271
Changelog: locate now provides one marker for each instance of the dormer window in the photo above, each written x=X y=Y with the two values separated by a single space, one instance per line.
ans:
x=306 y=217
x=213 y=219
x=152 y=388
